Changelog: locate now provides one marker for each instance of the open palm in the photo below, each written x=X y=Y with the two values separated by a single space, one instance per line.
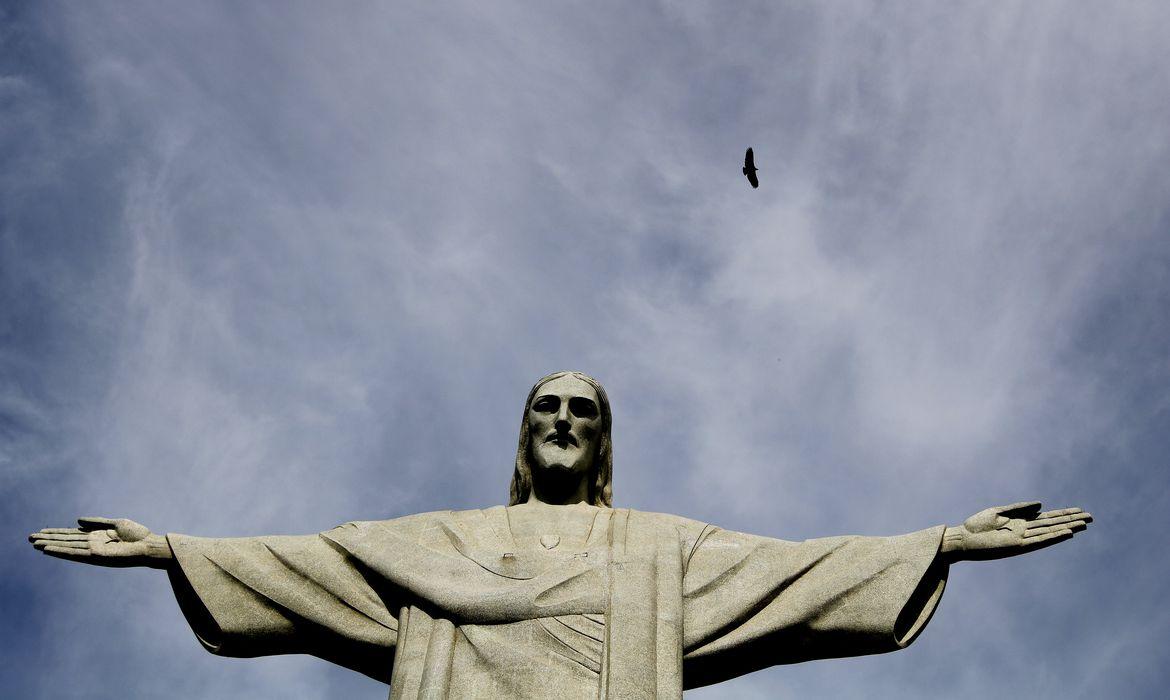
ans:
x=105 y=542
x=1006 y=531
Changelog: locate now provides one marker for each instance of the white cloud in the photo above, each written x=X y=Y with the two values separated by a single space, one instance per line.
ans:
x=308 y=262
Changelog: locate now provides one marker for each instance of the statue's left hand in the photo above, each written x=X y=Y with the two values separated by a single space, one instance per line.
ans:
x=1006 y=531
x=105 y=542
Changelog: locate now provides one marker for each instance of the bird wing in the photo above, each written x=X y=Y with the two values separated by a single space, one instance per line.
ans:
x=749 y=159
x=751 y=176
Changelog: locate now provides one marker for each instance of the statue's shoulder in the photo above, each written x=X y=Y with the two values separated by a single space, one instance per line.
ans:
x=415 y=524
x=649 y=519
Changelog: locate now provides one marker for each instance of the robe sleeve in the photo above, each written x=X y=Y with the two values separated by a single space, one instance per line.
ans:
x=751 y=602
x=259 y=596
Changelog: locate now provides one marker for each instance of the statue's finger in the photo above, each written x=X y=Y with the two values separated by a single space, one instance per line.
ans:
x=1072 y=527
x=55 y=537
x=66 y=552
x=97 y=523
x=41 y=544
x=1080 y=520
x=1058 y=513
x=1036 y=533
x=1023 y=509
x=1034 y=543
x=1043 y=531
x=1045 y=522
x=61 y=530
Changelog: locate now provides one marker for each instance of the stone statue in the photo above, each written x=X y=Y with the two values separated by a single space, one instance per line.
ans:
x=559 y=594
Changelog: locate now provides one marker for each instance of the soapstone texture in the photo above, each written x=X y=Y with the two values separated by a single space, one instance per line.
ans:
x=558 y=594
x=627 y=605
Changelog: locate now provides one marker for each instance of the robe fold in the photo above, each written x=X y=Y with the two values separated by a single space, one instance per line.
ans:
x=636 y=605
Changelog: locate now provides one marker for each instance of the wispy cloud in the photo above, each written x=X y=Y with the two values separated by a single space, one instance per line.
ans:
x=269 y=268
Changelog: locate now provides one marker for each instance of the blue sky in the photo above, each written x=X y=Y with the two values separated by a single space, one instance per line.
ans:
x=266 y=268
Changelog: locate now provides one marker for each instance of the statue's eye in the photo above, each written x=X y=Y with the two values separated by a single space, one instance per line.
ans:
x=582 y=407
x=546 y=404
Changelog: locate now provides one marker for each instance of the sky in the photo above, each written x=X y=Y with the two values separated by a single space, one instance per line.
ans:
x=269 y=267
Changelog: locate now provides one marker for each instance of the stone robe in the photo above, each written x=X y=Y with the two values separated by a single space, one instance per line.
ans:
x=635 y=605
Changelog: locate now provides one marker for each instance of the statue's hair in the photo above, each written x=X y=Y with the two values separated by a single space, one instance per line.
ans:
x=600 y=485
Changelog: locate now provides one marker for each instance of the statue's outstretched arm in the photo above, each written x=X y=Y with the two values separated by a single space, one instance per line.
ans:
x=1006 y=531
x=105 y=542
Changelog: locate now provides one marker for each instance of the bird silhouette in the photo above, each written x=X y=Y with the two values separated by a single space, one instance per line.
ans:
x=749 y=168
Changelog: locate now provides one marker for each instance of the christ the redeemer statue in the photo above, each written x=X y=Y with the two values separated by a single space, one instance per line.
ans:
x=558 y=594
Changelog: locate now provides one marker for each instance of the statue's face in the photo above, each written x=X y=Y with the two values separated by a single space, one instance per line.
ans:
x=564 y=421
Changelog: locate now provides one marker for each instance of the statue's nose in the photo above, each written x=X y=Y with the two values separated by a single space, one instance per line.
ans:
x=562 y=424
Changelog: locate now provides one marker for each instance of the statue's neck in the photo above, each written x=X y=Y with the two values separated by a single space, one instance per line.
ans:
x=559 y=490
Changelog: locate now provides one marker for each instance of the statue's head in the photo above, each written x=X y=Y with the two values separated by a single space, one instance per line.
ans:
x=564 y=435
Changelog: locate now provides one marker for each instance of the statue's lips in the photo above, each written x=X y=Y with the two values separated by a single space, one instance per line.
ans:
x=562 y=439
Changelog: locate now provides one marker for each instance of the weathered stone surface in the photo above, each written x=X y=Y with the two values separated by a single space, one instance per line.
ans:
x=558 y=594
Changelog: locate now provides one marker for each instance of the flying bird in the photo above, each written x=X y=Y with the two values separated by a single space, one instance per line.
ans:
x=749 y=168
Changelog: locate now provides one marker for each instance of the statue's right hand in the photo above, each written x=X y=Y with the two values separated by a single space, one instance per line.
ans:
x=105 y=542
